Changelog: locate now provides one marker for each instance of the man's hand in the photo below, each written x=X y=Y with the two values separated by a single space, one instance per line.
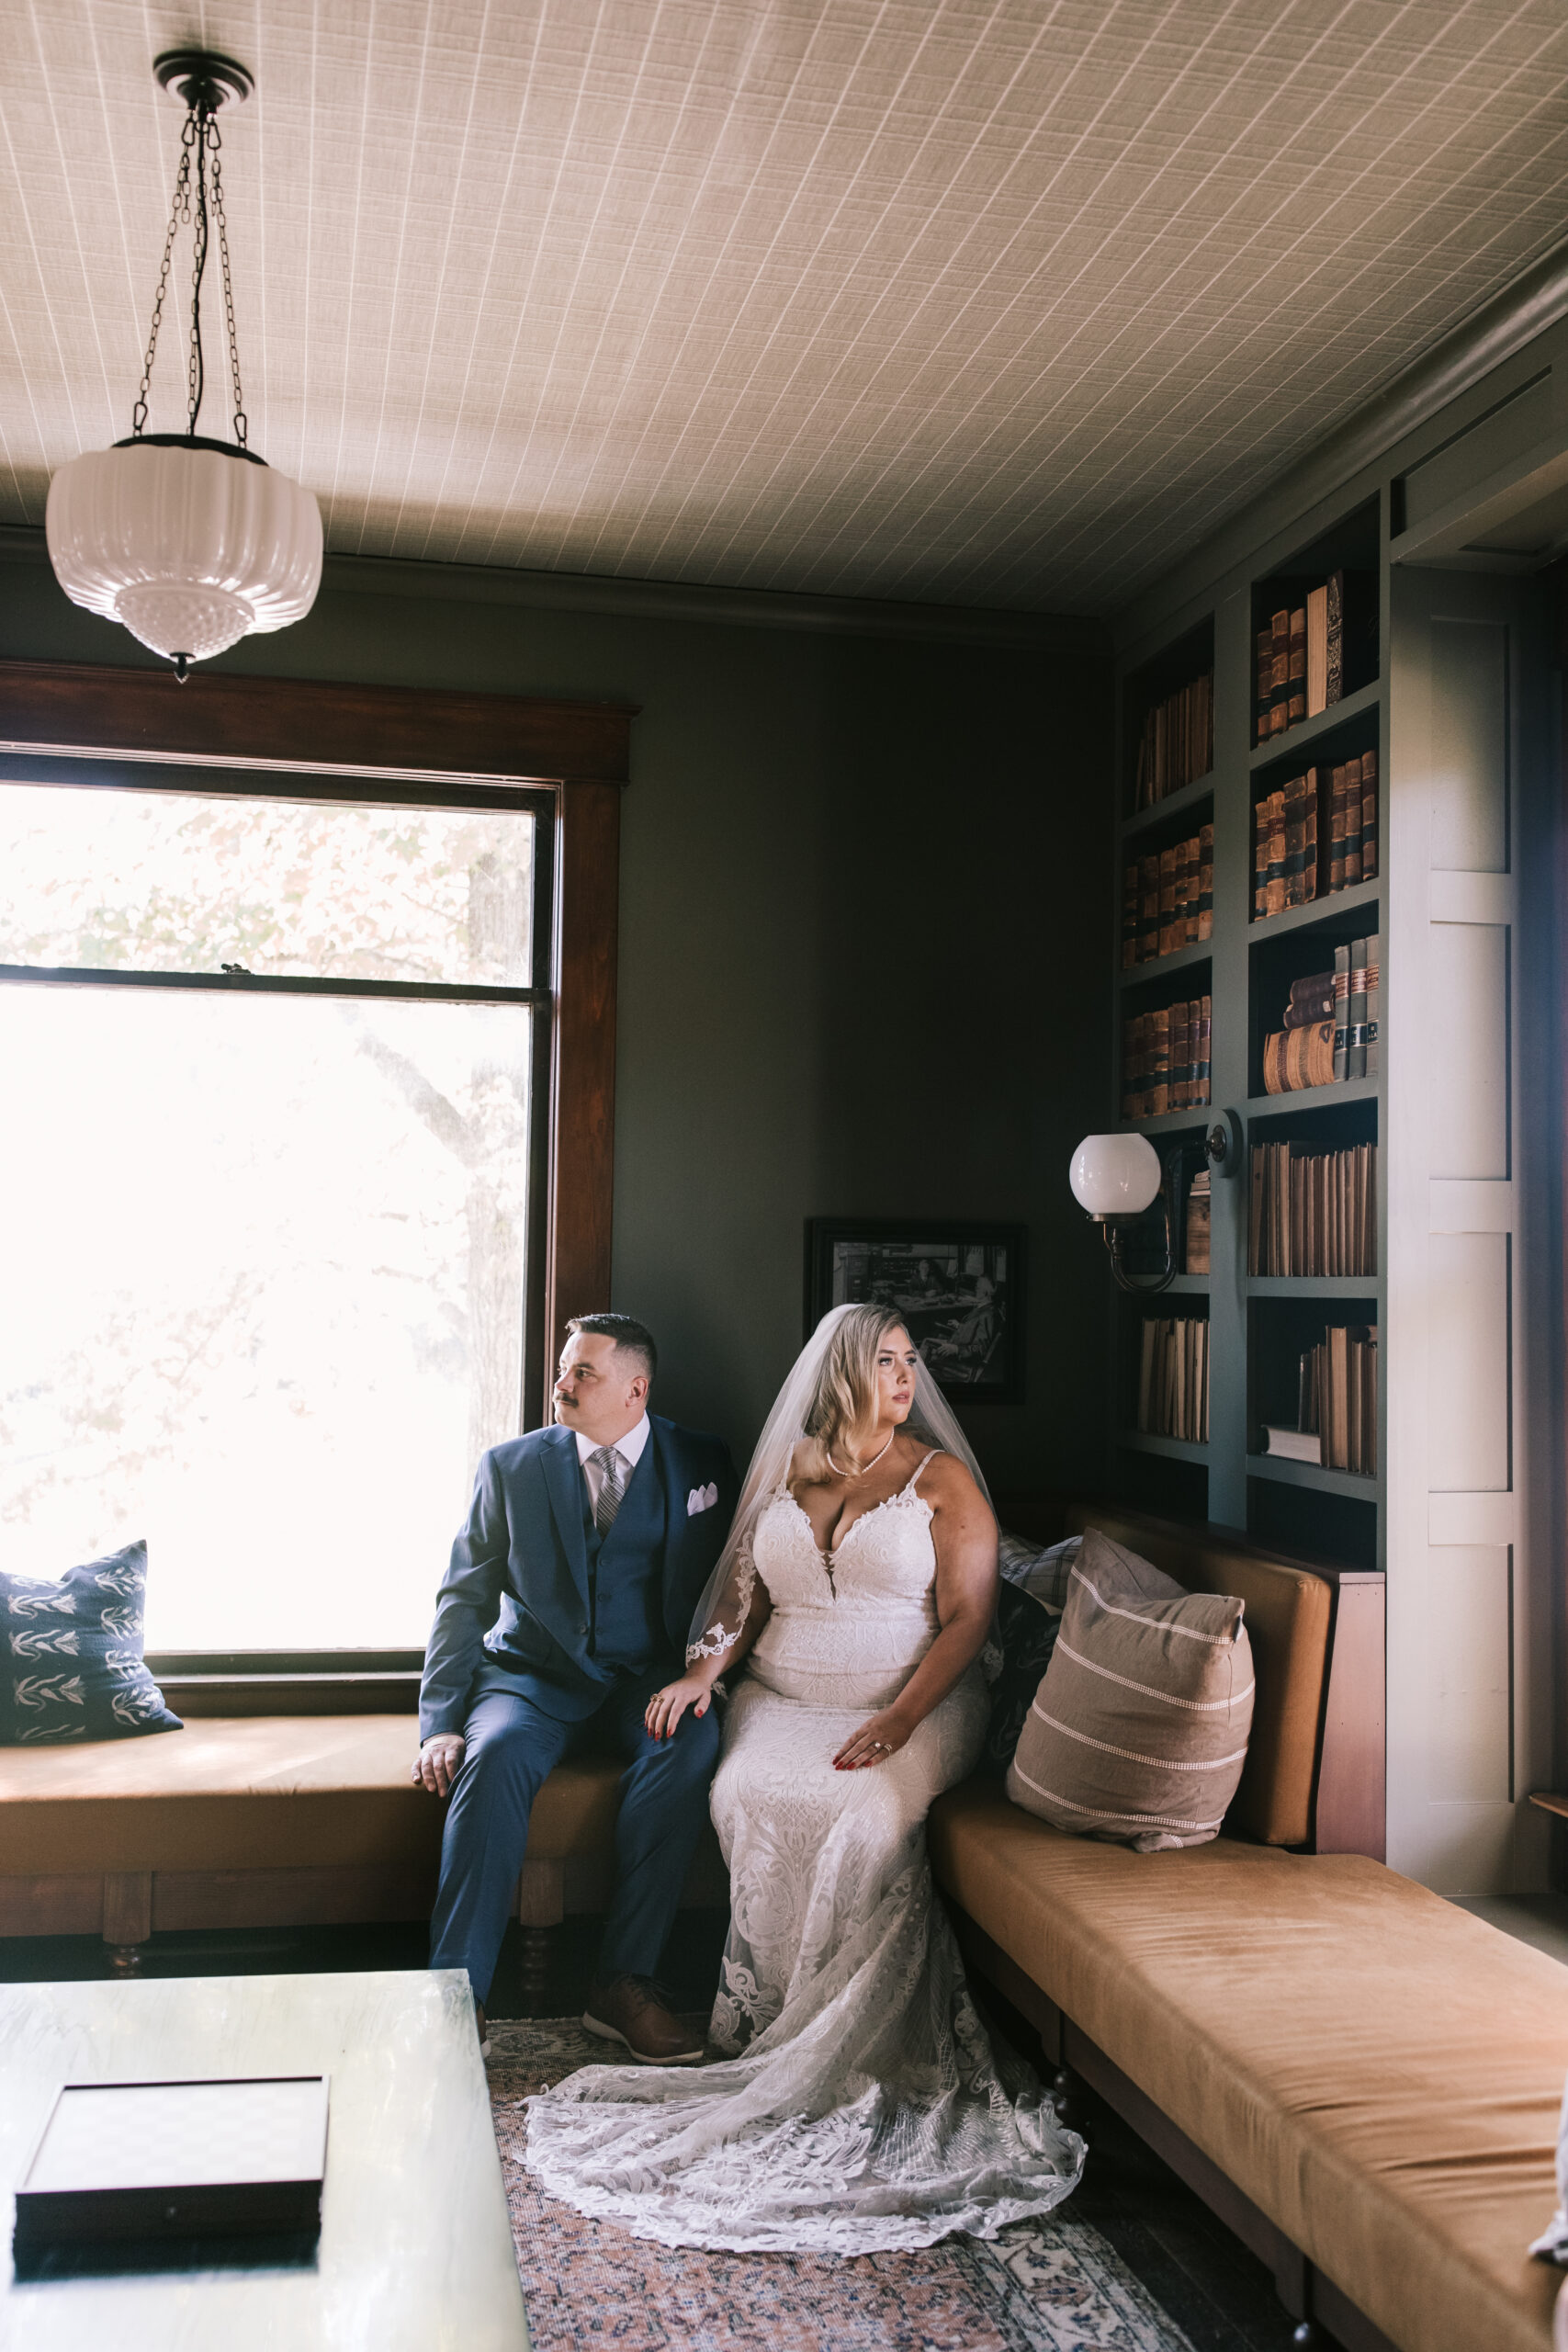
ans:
x=438 y=1762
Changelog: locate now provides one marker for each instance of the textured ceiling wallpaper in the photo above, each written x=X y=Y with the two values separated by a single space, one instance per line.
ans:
x=979 y=302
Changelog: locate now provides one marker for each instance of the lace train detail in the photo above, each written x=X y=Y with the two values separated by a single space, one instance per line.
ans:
x=859 y=2106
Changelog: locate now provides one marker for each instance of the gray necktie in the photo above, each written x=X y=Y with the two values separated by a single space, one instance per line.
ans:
x=613 y=1486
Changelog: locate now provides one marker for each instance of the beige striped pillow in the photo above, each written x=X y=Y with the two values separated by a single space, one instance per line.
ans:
x=1138 y=1730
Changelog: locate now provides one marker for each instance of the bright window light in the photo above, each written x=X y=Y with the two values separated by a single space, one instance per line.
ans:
x=261 y=1253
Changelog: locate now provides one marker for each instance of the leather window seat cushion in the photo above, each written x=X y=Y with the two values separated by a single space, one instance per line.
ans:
x=1378 y=2071
x=259 y=1791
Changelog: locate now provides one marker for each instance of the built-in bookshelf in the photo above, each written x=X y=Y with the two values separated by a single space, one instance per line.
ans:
x=1258 y=1326
x=1404 y=622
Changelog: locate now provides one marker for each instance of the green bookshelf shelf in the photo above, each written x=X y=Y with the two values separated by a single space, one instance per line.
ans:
x=1299 y=739
x=1174 y=1449
x=1350 y=1483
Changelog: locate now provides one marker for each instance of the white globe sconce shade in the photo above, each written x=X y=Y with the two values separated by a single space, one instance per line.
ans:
x=1114 y=1175
x=190 y=544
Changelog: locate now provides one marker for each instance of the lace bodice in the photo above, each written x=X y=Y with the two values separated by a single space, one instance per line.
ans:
x=851 y=1625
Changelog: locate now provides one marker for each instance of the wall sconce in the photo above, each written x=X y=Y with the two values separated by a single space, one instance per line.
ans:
x=1116 y=1178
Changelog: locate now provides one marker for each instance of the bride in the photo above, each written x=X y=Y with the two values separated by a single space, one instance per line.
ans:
x=857 y=2105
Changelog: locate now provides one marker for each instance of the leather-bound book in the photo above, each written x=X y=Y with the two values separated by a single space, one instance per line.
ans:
x=1280 y=674
x=1374 y=988
x=1265 y=683
x=1310 y=851
x=1129 y=915
x=1334 y=640
x=1337 y=831
x=1194 y=888
x=1296 y=1059
x=1294 y=837
x=1205 y=1056
x=1156 y=1091
x=1206 y=883
x=1311 y=999
x=1316 y=651
x=1297 y=706
x=1369 y=815
x=1180 y=1064
x=1275 y=904
x=1167 y=938
x=1259 y=860
x=1148 y=909
x=1352 y=823
x=1356 y=1059
x=1342 y=1013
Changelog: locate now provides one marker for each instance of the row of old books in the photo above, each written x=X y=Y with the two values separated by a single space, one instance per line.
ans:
x=1336 y=1403
x=1314 y=1212
x=1303 y=653
x=1173 y=1378
x=1332 y=1024
x=1167 y=902
x=1316 y=835
x=1177 y=745
x=1165 y=1059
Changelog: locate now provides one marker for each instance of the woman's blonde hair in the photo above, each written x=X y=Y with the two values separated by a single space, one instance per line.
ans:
x=843 y=1403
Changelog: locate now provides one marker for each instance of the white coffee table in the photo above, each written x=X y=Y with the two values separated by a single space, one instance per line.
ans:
x=415 y=2253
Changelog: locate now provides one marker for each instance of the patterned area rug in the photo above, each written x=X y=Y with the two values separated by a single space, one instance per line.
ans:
x=1049 y=2286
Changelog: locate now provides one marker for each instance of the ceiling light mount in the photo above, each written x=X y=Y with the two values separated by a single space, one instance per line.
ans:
x=165 y=532
x=202 y=80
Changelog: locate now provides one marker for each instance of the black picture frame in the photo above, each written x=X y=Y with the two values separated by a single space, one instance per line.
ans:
x=958 y=1281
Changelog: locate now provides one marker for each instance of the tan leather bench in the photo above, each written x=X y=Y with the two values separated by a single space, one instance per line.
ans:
x=274 y=1820
x=1361 y=2079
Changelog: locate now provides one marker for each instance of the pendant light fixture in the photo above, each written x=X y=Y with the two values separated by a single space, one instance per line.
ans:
x=190 y=542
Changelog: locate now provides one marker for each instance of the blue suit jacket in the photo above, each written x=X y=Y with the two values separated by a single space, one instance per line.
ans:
x=517 y=1586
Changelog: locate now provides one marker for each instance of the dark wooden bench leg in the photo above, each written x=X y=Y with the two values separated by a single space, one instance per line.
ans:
x=541 y=1906
x=1066 y=2097
x=128 y=1918
x=535 y=1969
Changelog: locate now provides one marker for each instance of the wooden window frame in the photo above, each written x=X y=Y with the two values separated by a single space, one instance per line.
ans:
x=230 y=733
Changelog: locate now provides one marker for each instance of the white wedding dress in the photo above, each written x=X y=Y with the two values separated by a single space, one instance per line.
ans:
x=859 y=2106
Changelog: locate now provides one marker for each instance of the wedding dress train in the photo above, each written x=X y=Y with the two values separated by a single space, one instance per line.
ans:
x=858 y=2106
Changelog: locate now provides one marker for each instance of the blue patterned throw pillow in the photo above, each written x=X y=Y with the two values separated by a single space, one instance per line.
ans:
x=70 y=1663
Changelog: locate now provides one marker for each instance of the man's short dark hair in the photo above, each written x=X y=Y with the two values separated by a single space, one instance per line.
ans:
x=632 y=1338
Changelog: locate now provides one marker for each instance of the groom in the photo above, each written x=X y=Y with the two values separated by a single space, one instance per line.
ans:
x=568 y=1604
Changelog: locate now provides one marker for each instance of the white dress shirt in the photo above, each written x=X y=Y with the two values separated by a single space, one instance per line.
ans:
x=629 y=1448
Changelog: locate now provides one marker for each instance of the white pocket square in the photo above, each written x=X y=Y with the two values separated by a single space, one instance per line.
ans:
x=701 y=1498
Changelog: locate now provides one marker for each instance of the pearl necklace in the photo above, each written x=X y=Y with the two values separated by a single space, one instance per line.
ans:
x=866 y=1468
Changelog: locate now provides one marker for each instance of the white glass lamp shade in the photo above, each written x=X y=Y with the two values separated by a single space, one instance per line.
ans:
x=1114 y=1175
x=189 y=547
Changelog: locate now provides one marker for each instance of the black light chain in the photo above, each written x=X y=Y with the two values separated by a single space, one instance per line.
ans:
x=196 y=373
x=180 y=212
x=200 y=139
x=242 y=423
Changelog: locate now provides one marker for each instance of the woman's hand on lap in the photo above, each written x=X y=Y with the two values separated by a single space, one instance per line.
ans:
x=875 y=1741
x=666 y=1707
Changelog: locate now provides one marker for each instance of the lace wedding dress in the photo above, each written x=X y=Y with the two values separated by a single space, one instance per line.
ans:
x=859 y=2106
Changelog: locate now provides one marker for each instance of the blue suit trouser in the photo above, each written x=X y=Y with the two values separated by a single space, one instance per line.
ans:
x=512 y=1746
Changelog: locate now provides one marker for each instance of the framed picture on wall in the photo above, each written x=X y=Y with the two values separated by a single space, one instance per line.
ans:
x=958 y=1286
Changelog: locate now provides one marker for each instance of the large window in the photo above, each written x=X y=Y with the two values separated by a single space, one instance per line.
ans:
x=271 y=1196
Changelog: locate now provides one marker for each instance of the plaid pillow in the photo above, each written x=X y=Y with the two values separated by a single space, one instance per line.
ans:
x=1041 y=1573
x=70 y=1663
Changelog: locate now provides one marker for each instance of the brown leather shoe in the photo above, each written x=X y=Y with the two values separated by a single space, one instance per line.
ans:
x=632 y=2010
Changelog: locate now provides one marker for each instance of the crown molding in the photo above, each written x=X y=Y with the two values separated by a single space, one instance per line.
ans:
x=1493 y=335
x=674 y=600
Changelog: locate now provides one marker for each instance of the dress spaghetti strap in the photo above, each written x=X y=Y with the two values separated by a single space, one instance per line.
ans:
x=911 y=1482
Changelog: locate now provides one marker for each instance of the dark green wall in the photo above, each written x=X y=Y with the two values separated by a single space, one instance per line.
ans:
x=863 y=913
